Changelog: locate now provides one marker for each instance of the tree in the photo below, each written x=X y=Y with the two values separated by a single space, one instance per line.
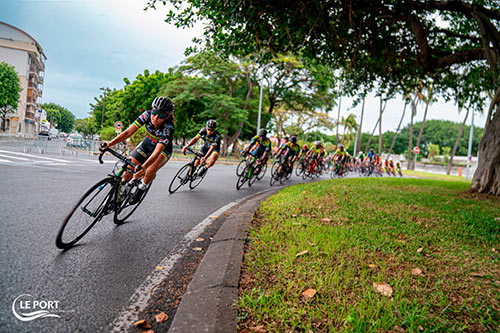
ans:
x=10 y=89
x=394 y=43
x=349 y=124
x=428 y=100
x=60 y=117
x=399 y=126
x=457 y=142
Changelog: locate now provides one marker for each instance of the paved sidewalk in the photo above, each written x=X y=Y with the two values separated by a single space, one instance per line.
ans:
x=207 y=305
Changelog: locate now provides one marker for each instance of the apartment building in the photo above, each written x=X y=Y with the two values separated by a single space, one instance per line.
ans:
x=19 y=49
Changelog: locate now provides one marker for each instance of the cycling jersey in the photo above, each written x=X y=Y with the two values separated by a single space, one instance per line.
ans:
x=319 y=151
x=292 y=149
x=264 y=142
x=163 y=134
x=370 y=156
x=338 y=152
x=260 y=145
x=210 y=140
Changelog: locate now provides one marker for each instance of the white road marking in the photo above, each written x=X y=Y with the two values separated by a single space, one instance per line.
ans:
x=140 y=298
x=16 y=158
x=6 y=161
x=35 y=156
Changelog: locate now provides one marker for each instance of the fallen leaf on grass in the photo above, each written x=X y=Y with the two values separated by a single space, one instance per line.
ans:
x=198 y=249
x=326 y=219
x=420 y=250
x=142 y=323
x=372 y=265
x=312 y=244
x=294 y=215
x=161 y=317
x=497 y=219
x=313 y=216
x=346 y=199
x=199 y=239
x=309 y=293
x=402 y=241
x=258 y=329
x=301 y=253
x=383 y=288
x=420 y=328
x=160 y=267
x=416 y=271
x=304 y=192
x=476 y=274
x=493 y=249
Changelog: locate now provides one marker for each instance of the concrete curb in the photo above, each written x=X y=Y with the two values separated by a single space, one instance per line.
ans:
x=207 y=305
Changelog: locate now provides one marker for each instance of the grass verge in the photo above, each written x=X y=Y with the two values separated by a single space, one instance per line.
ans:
x=436 y=176
x=317 y=251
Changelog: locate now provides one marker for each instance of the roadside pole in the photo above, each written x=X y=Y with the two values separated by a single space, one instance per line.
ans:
x=260 y=110
x=469 y=153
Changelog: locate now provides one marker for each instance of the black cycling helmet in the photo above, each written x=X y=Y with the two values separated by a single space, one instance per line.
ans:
x=341 y=147
x=293 y=139
x=263 y=132
x=163 y=104
x=371 y=150
x=285 y=138
x=212 y=124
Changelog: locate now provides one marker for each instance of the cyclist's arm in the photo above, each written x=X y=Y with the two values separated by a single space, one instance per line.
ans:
x=122 y=136
x=210 y=150
x=156 y=153
x=192 y=142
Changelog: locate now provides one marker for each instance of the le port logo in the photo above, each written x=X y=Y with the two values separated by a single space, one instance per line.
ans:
x=26 y=308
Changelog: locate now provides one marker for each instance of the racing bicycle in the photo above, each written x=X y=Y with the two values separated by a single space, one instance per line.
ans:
x=187 y=174
x=109 y=195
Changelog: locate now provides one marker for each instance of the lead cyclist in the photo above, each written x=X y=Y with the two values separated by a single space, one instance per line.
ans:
x=155 y=150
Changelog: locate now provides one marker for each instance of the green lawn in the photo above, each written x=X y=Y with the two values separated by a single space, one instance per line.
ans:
x=436 y=176
x=435 y=246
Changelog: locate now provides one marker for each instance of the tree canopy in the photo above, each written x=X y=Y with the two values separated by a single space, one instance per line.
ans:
x=60 y=117
x=10 y=89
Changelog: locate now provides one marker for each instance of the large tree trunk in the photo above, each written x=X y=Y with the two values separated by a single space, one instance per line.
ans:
x=380 y=128
x=487 y=176
x=423 y=121
x=410 y=143
x=397 y=130
x=360 y=132
x=457 y=142
x=338 y=119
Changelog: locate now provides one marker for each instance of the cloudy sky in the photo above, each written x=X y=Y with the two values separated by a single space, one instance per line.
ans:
x=96 y=43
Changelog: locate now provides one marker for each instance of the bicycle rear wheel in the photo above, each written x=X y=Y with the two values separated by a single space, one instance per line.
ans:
x=91 y=207
x=196 y=180
x=125 y=209
x=180 y=178
x=274 y=168
x=254 y=175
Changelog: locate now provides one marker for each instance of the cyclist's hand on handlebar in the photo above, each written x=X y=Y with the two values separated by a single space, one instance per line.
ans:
x=103 y=147
x=184 y=150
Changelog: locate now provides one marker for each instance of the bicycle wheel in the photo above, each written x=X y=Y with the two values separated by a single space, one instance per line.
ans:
x=254 y=175
x=283 y=176
x=241 y=180
x=274 y=179
x=180 y=178
x=125 y=209
x=299 y=169
x=263 y=169
x=91 y=207
x=274 y=167
x=241 y=166
x=196 y=180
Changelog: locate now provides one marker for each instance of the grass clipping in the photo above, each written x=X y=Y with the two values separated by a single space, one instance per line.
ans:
x=373 y=254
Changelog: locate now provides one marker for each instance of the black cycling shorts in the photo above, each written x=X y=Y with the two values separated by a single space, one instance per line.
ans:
x=145 y=149
x=205 y=148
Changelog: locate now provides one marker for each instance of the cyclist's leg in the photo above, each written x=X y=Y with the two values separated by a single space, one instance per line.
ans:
x=150 y=173
x=138 y=156
x=214 y=156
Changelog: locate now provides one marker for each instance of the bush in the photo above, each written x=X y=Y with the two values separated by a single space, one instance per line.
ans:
x=138 y=136
x=433 y=151
x=108 y=133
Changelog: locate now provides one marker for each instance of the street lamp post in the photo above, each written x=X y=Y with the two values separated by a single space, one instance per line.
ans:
x=103 y=105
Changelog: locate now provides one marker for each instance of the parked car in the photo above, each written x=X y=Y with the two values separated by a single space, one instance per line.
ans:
x=74 y=140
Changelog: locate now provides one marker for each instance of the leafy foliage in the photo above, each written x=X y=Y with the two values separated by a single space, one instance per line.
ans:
x=59 y=116
x=10 y=89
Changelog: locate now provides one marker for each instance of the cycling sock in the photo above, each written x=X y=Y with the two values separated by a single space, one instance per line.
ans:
x=142 y=186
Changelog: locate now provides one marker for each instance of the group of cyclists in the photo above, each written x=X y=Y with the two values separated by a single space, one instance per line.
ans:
x=156 y=149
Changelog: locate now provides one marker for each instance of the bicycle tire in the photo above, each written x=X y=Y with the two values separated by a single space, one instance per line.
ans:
x=262 y=172
x=181 y=178
x=241 y=166
x=121 y=219
x=274 y=168
x=101 y=198
x=274 y=180
x=254 y=177
x=241 y=180
x=196 y=181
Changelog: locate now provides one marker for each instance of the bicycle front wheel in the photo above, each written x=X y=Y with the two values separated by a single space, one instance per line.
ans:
x=91 y=207
x=180 y=178
x=123 y=206
x=262 y=172
x=196 y=180
x=241 y=166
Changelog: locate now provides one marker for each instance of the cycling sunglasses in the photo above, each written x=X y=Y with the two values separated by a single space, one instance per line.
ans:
x=160 y=115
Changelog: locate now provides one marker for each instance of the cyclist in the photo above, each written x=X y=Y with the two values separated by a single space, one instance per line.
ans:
x=317 y=152
x=340 y=157
x=155 y=150
x=210 y=149
x=290 y=153
x=260 y=146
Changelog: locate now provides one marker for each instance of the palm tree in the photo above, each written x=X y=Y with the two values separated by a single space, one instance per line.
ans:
x=399 y=125
x=428 y=100
x=458 y=140
x=350 y=126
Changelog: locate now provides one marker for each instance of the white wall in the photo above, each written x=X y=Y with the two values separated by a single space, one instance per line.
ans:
x=11 y=33
x=16 y=58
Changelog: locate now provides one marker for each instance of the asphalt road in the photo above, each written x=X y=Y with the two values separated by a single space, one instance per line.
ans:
x=94 y=281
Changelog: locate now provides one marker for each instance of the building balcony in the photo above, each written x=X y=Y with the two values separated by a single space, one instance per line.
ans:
x=29 y=115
